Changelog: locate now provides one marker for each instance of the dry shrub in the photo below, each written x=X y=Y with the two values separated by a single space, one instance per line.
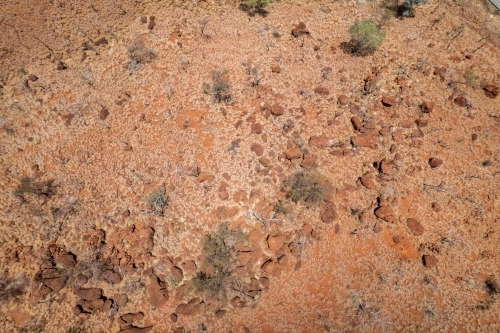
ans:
x=306 y=187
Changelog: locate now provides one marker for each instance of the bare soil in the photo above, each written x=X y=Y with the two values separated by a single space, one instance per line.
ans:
x=131 y=131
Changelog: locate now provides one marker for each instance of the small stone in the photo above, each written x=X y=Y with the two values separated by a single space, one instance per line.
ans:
x=321 y=91
x=276 y=69
x=491 y=90
x=422 y=123
x=275 y=242
x=435 y=162
x=309 y=161
x=461 y=101
x=318 y=141
x=343 y=100
x=367 y=181
x=257 y=149
x=415 y=227
x=385 y=213
x=152 y=23
x=101 y=41
x=89 y=294
x=32 y=77
x=277 y=110
x=256 y=128
x=293 y=153
x=299 y=30
x=356 y=123
x=328 y=213
x=473 y=137
x=427 y=107
x=65 y=260
x=388 y=100
x=429 y=261
x=173 y=317
x=436 y=207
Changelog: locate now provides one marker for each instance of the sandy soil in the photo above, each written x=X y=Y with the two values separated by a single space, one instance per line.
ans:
x=104 y=103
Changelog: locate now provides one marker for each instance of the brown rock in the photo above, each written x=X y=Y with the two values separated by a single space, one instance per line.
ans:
x=89 y=294
x=388 y=100
x=321 y=91
x=265 y=161
x=461 y=101
x=152 y=23
x=436 y=207
x=385 y=213
x=264 y=282
x=256 y=128
x=343 y=100
x=440 y=72
x=65 y=260
x=429 y=261
x=257 y=149
x=255 y=236
x=415 y=227
x=356 y=123
x=32 y=77
x=318 y=141
x=435 y=162
x=103 y=114
x=55 y=284
x=422 y=122
x=275 y=242
x=428 y=107
x=385 y=167
x=203 y=176
x=293 y=153
x=157 y=291
x=328 y=213
x=368 y=139
x=299 y=30
x=121 y=299
x=240 y=196
x=134 y=329
x=188 y=309
x=309 y=161
x=176 y=273
x=173 y=317
x=277 y=110
x=491 y=90
x=367 y=181
x=101 y=41
x=276 y=69
x=111 y=276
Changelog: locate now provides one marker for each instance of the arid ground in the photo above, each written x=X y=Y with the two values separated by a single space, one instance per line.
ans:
x=185 y=166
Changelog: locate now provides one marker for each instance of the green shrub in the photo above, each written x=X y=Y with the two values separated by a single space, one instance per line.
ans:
x=220 y=259
x=280 y=208
x=471 y=78
x=157 y=200
x=253 y=7
x=365 y=37
x=29 y=185
x=307 y=187
x=220 y=89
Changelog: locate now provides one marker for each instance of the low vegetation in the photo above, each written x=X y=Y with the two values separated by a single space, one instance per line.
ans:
x=157 y=201
x=138 y=56
x=30 y=186
x=220 y=257
x=366 y=36
x=253 y=7
x=306 y=187
x=471 y=78
x=220 y=90
x=11 y=288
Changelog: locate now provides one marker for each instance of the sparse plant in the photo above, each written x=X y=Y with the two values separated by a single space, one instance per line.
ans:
x=280 y=208
x=139 y=55
x=220 y=257
x=203 y=24
x=306 y=187
x=253 y=74
x=471 y=78
x=220 y=89
x=407 y=10
x=29 y=185
x=253 y=7
x=12 y=287
x=157 y=201
x=365 y=37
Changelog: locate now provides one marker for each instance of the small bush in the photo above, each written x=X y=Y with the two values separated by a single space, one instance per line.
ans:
x=365 y=37
x=138 y=56
x=307 y=187
x=220 y=89
x=157 y=200
x=471 y=78
x=253 y=7
x=280 y=208
x=219 y=262
x=11 y=288
x=406 y=9
x=29 y=185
